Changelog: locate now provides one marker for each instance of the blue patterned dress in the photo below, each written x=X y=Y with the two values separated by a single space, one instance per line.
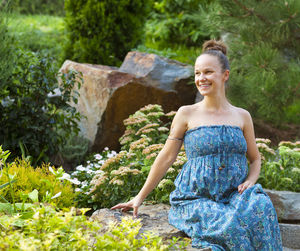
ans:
x=206 y=204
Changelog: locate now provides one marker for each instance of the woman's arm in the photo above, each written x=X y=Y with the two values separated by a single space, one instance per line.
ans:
x=252 y=153
x=163 y=161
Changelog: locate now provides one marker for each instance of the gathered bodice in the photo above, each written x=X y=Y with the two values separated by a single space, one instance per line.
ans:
x=213 y=140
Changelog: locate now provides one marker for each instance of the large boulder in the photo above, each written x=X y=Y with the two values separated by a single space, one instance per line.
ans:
x=99 y=84
x=109 y=95
x=127 y=100
x=163 y=73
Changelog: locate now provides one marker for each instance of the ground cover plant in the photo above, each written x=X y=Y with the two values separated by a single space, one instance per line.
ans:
x=50 y=184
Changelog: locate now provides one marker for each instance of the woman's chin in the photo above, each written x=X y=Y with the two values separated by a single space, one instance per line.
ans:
x=205 y=92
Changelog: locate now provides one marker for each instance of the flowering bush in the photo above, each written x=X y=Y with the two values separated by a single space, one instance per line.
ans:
x=280 y=168
x=117 y=177
x=83 y=176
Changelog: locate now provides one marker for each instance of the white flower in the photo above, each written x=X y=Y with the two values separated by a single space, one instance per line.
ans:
x=97 y=166
x=51 y=170
x=77 y=189
x=74 y=181
x=98 y=156
x=65 y=176
x=80 y=168
x=56 y=195
x=99 y=172
x=84 y=184
x=106 y=149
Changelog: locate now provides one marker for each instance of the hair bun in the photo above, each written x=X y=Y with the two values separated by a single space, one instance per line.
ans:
x=214 y=45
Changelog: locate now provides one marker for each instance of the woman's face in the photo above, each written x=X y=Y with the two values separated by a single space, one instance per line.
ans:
x=209 y=77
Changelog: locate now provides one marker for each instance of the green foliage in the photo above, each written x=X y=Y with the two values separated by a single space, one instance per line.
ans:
x=121 y=176
x=49 y=7
x=48 y=229
x=39 y=33
x=180 y=53
x=7 y=59
x=264 y=51
x=281 y=167
x=74 y=149
x=29 y=179
x=30 y=118
x=104 y=31
x=178 y=22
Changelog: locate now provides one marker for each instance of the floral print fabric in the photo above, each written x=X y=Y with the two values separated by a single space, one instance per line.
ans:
x=206 y=204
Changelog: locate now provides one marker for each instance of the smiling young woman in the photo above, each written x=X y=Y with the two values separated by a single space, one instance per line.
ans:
x=216 y=201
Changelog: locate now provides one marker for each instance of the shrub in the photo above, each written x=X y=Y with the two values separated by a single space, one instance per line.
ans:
x=52 y=230
x=103 y=31
x=177 y=22
x=122 y=175
x=31 y=114
x=280 y=168
x=39 y=178
x=264 y=51
x=50 y=7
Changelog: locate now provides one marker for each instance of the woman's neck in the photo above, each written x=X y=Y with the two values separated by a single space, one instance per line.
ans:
x=215 y=103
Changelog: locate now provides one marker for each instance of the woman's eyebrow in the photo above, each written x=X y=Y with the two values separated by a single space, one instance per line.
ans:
x=205 y=69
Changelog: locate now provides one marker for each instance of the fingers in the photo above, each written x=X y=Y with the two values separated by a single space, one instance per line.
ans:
x=118 y=206
x=125 y=207
x=135 y=212
x=242 y=187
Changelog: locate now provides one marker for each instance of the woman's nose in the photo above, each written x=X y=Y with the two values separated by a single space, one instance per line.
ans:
x=202 y=77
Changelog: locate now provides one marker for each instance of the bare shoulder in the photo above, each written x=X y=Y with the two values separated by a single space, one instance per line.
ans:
x=186 y=109
x=244 y=116
x=180 y=121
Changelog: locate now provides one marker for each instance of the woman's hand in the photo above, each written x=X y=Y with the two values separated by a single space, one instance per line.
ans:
x=134 y=204
x=247 y=184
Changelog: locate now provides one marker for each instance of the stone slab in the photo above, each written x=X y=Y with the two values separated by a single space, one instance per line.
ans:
x=286 y=203
x=290 y=234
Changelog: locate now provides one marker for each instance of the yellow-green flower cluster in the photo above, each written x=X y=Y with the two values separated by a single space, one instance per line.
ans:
x=139 y=144
x=290 y=144
x=147 y=128
x=135 y=120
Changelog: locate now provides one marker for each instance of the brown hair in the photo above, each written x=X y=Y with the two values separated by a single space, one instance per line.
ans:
x=218 y=49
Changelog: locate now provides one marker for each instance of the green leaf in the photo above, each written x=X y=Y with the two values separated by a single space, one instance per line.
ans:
x=7 y=184
x=34 y=195
x=6 y=208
